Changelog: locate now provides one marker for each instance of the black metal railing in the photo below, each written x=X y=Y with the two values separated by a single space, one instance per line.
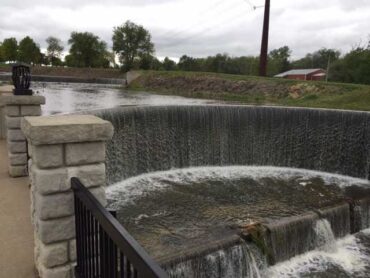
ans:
x=104 y=248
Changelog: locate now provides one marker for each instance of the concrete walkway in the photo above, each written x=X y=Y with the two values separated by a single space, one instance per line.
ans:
x=16 y=233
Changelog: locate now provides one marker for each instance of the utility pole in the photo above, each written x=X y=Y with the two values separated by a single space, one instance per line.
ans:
x=265 y=40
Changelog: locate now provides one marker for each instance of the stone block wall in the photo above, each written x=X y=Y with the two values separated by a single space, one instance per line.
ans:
x=15 y=108
x=62 y=147
x=2 y=122
x=2 y=111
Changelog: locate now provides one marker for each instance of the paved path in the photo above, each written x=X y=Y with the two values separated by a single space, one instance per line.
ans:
x=16 y=233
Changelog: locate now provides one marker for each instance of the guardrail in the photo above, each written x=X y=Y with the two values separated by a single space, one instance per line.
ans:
x=104 y=248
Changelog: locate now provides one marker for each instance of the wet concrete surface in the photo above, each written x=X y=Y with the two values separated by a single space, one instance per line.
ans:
x=179 y=210
x=16 y=232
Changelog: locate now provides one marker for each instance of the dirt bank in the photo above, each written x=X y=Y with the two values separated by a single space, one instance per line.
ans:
x=256 y=90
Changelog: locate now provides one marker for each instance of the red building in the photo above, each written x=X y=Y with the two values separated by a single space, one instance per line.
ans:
x=304 y=74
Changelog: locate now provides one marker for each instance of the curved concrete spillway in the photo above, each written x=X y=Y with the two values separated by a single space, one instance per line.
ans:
x=151 y=139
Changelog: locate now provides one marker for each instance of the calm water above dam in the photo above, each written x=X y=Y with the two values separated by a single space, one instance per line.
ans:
x=76 y=97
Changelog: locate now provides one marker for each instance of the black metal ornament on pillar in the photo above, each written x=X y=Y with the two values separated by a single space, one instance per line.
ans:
x=21 y=76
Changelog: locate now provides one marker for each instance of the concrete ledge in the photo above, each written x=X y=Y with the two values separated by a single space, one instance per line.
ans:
x=66 y=129
x=6 y=88
x=22 y=100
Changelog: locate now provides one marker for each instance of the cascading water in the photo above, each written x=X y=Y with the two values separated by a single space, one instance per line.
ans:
x=290 y=237
x=244 y=261
x=347 y=257
x=151 y=139
x=247 y=261
x=339 y=218
x=324 y=236
x=364 y=212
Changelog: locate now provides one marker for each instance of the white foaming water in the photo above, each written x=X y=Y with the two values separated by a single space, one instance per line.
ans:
x=347 y=253
x=130 y=189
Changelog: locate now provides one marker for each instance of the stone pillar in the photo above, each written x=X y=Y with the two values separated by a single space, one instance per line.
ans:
x=62 y=147
x=17 y=107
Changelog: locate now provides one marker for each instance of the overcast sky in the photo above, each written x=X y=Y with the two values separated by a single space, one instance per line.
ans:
x=196 y=27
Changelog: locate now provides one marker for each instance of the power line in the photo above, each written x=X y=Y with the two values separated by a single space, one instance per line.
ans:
x=196 y=31
x=200 y=15
x=203 y=19
x=254 y=7
x=232 y=17
x=238 y=16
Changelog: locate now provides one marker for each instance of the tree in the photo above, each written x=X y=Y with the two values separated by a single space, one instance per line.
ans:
x=168 y=64
x=217 y=63
x=303 y=63
x=247 y=65
x=145 y=62
x=156 y=64
x=187 y=63
x=9 y=50
x=279 y=60
x=87 y=50
x=54 y=50
x=28 y=51
x=130 y=42
x=322 y=57
x=317 y=59
x=354 y=67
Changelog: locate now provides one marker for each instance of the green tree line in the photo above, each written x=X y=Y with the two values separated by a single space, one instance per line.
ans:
x=131 y=44
x=352 y=67
x=134 y=49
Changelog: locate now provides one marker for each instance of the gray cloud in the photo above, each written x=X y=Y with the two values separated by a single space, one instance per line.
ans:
x=194 y=27
x=72 y=4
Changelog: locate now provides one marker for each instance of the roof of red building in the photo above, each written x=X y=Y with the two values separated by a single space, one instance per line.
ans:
x=297 y=72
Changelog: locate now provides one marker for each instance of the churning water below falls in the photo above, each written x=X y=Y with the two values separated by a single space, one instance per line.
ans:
x=246 y=221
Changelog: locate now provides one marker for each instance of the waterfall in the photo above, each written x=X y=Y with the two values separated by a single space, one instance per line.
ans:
x=339 y=219
x=324 y=236
x=346 y=257
x=363 y=212
x=242 y=261
x=294 y=236
x=246 y=261
x=151 y=139
x=290 y=237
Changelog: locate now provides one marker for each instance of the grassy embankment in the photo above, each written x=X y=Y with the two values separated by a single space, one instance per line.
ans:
x=256 y=90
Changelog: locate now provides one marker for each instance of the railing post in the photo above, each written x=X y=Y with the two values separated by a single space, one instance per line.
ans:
x=62 y=147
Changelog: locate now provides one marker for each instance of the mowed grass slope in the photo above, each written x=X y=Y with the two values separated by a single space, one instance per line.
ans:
x=256 y=90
